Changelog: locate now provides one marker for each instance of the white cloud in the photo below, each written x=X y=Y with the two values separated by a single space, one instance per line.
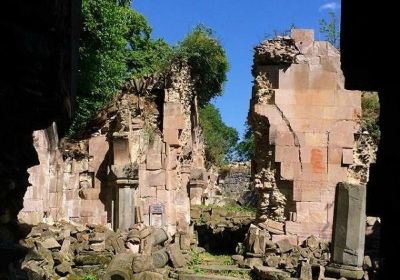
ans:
x=329 y=6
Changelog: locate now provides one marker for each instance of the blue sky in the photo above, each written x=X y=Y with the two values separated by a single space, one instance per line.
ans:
x=240 y=25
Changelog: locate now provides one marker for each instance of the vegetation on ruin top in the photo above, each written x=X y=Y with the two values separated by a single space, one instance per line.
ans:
x=116 y=45
x=370 y=114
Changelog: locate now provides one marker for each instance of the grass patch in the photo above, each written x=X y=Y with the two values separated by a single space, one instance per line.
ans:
x=205 y=258
x=89 y=277
x=243 y=209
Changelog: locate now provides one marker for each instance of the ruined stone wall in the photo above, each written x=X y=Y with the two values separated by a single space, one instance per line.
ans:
x=135 y=166
x=304 y=122
x=235 y=183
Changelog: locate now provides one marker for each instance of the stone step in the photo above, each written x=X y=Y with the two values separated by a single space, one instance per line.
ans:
x=205 y=277
x=216 y=268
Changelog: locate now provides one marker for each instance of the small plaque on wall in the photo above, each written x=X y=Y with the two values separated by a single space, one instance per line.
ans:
x=157 y=215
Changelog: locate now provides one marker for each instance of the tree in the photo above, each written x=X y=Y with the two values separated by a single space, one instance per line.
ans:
x=330 y=29
x=245 y=149
x=220 y=139
x=208 y=62
x=115 y=44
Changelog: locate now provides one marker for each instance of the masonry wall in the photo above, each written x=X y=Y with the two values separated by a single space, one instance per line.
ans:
x=305 y=122
x=134 y=166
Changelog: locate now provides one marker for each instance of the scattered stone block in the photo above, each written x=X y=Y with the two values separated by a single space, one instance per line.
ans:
x=63 y=269
x=305 y=271
x=312 y=243
x=351 y=272
x=272 y=261
x=271 y=273
x=252 y=262
x=147 y=275
x=177 y=259
x=284 y=245
x=51 y=243
x=120 y=267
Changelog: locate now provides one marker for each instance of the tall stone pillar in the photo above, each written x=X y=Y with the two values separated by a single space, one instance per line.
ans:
x=125 y=177
x=125 y=206
x=349 y=232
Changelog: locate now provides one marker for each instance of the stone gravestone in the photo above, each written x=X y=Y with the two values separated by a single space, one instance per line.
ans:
x=349 y=232
x=157 y=215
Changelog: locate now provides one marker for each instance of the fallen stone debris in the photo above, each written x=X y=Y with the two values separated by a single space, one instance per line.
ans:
x=64 y=250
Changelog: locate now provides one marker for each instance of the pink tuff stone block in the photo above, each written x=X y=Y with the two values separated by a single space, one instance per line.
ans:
x=290 y=170
x=89 y=194
x=71 y=194
x=285 y=97
x=290 y=237
x=315 y=139
x=54 y=200
x=171 y=136
x=153 y=161
x=173 y=117
x=347 y=156
x=155 y=178
x=306 y=191
x=98 y=148
x=306 y=229
x=286 y=153
x=146 y=191
x=284 y=138
x=334 y=155
x=171 y=180
x=164 y=196
x=337 y=173
x=31 y=205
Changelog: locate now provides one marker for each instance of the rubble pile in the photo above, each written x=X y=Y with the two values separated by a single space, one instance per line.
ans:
x=69 y=249
x=267 y=254
x=281 y=49
x=220 y=218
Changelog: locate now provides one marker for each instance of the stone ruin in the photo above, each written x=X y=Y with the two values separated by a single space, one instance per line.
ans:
x=305 y=124
x=140 y=170
x=142 y=161
x=311 y=166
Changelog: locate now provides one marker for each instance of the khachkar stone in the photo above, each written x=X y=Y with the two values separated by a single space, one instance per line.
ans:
x=304 y=122
x=349 y=231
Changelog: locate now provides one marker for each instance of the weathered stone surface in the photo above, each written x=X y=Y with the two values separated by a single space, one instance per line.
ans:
x=147 y=275
x=63 y=269
x=125 y=151
x=204 y=277
x=305 y=271
x=142 y=263
x=177 y=259
x=272 y=261
x=304 y=123
x=338 y=271
x=51 y=243
x=270 y=273
x=252 y=262
x=284 y=245
x=91 y=258
x=350 y=217
x=312 y=243
x=160 y=258
x=120 y=267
